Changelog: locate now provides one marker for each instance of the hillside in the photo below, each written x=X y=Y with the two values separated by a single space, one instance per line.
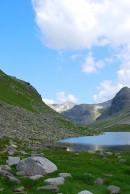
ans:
x=117 y=116
x=86 y=113
x=25 y=116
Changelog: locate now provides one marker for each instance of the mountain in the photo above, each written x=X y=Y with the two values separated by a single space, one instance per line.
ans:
x=23 y=114
x=86 y=113
x=120 y=104
x=62 y=107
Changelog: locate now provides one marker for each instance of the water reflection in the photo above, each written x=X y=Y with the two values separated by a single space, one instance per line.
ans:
x=109 y=140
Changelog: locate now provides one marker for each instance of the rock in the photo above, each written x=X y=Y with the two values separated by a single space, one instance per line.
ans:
x=11 y=150
x=37 y=155
x=99 y=181
x=85 y=192
x=23 y=152
x=91 y=152
x=123 y=160
x=113 y=189
x=64 y=175
x=36 y=177
x=49 y=187
x=1 y=189
x=12 y=160
x=36 y=166
x=19 y=189
x=20 y=173
x=5 y=167
x=117 y=154
x=13 y=145
x=10 y=176
x=88 y=174
x=109 y=153
x=55 y=181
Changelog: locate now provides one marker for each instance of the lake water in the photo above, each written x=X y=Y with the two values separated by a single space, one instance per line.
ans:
x=106 y=141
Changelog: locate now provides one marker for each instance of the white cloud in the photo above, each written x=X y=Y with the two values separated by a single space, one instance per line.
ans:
x=79 y=24
x=61 y=98
x=108 y=88
x=106 y=91
x=48 y=101
x=91 y=65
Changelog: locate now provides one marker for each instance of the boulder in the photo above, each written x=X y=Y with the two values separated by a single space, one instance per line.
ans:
x=12 y=160
x=36 y=166
x=113 y=189
x=11 y=150
x=99 y=181
x=19 y=189
x=5 y=167
x=55 y=181
x=49 y=187
x=64 y=175
x=85 y=192
x=10 y=176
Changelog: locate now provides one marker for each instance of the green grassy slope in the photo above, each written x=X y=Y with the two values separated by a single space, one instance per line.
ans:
x=19 y=93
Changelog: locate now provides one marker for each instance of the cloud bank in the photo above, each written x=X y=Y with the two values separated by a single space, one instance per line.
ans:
x=79 y=24
x=61 y=98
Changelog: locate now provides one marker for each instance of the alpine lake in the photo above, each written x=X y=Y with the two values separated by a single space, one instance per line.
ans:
x=106 y=141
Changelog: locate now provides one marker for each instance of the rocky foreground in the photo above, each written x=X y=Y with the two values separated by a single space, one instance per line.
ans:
x=31 y=166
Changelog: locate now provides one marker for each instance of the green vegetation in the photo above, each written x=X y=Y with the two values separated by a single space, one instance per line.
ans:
x=19 y=93
x=118 y=128
x=84 y=168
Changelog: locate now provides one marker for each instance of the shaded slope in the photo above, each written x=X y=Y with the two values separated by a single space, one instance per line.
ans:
x=86 y=113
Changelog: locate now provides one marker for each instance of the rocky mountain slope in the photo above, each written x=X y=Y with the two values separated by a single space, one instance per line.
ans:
x=120 y=103
x=86 y=113
x=25 y=116
x=62 y=107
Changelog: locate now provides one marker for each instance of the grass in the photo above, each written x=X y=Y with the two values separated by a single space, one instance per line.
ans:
x=19 y=93
x=84 y=168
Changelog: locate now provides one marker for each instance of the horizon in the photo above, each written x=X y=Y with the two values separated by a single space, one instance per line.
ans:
x=70 y=51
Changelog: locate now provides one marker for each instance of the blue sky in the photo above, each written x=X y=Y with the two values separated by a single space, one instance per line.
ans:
x=69 y=50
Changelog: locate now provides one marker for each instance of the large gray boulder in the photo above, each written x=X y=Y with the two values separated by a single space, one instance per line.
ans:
x=36 y=166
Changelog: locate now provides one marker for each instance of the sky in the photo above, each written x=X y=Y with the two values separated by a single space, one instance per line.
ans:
x=69 y=50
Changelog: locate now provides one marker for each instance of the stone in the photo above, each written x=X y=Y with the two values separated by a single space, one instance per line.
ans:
x=122 y=160
x=36 y=177
x=13 y=145
x=10 y=176
x=36 y=166
x=85 y=192
x=37 y=155
x=49 y=187
x=12 y=160
x=1 y=189
x=99 y=181
x=113 y=189
x=19 y=189
x=117 y=154
x=55 y=181
x=91 y=152
x=5 y=167
x=64 y=175
x=109 y=153
x=20 y=173
x=11 y=150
